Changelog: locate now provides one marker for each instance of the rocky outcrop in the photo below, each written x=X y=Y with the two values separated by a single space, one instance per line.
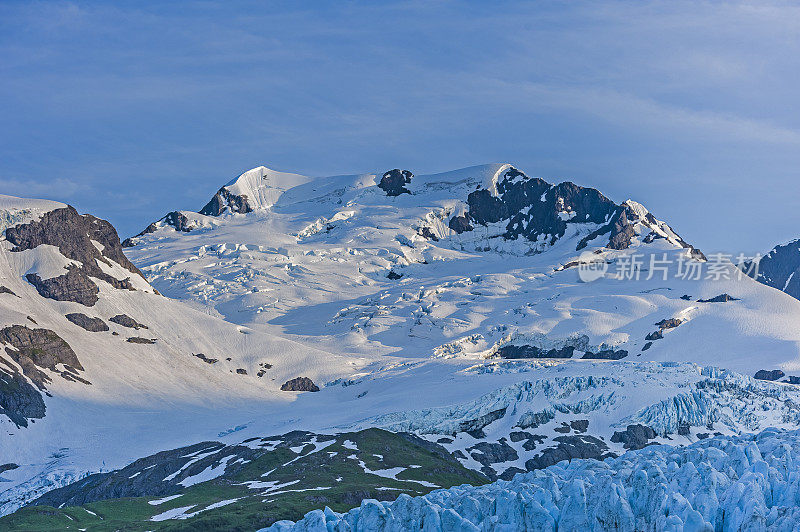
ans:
x=19 y=400
x=223 y=201
x=780 y=268
x=206 y=359
x=6 y=290
x=722 y=298
x=540 y=212
x=299 y=384
x=38 y=349
x=73 y=234
x=769 y=375
x=127 y=321
x=140 y=340
x=606 y=354
x=486 y=454
x=75 y=286
x=634 y=436
x=394 y=182
x=86 y=322
x=568 y=448
x=532 y=351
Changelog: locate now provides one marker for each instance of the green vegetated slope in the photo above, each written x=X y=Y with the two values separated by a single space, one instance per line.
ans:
x=265 y=480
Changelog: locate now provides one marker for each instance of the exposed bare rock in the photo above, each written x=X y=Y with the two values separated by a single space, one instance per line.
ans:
x=634 y=436
x=75 y=285
x=769 y=375
x=140 y=340
x=722 y=298
x=486 y=454
x=19 y=400
x=670 y=323
x=532 y=351
x=73 y=234
x=37 y=349
x=606 y=354
x=206 y=359
x=223 y=201
x=127 y=321
x=241 y=371
x=6 y=290
x=394 y=182
x=299 y=384
x=569 y=447
x=86 y=322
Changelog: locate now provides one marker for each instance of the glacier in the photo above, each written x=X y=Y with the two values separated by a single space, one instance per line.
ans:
x=746 y=482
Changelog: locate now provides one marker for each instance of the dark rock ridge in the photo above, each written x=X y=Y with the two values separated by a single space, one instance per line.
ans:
x=722 y=298
x=663 y=325
x=176 y=219
x=486 y=454
x=38 y=349
x=19 y=400
x=634 y=436
x=299 y=384
x=532 y=351
x=140 y=340
x=126 y=321
x=768 y=375
x=86 y=322
x=6 y=290
x=73 y=234
x=394 y=182
x=551 y=208
x=778 y=268
x=568 y=448
x=224 y=201
x=75 y=286
x=606 y=354
x=206 y=359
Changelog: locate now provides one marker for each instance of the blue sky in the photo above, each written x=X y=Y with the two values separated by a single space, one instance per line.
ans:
x=132 y=109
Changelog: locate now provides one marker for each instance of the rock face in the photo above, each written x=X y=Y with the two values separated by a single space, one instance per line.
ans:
x=75 y=285
x=6 y=290
x=19 y=400
x=140 y=340
x=86 y=322
x=73 y=234
x=538 y=211
x=607 y=354
x=769 y=375
x=532 y=351
x=299 y=384
x=722 y=298
x=634 y=436
x=127 y=321
x=779 y=268
x=569 y=447
x=224 y=201
x=394 y=182
x=38 y=349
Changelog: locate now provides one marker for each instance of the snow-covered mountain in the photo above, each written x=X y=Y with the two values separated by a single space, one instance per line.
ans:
x=476 y=262
x=361 y=336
